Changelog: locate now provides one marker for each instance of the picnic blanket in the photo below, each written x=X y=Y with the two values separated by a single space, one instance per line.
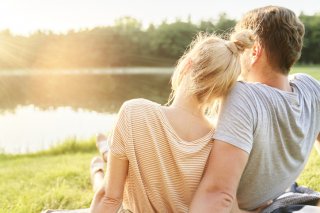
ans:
x=297 y=199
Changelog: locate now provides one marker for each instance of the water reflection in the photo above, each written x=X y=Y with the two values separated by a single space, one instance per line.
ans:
x=29 y=129
x=92 y=97
x=99 y=92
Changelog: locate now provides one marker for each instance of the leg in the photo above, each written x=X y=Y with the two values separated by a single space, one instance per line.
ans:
x=102 y=146
x=97 y=173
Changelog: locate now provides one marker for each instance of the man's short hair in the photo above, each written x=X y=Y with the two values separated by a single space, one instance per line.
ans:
x=279 y=31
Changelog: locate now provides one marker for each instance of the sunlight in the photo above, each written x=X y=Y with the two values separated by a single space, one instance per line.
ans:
x=25 y=17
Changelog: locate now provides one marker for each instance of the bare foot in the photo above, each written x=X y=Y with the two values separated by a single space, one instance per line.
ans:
x=102 y=146
x=96 y=172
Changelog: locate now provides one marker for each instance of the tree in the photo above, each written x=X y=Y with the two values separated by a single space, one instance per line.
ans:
x=311 y=47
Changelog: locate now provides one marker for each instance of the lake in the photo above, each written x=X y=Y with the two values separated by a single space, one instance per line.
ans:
x=39 y=109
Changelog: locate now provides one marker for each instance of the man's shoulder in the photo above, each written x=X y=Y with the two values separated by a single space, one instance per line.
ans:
x=243 y=96
x=304 y=78
x=301 y=76
x=246 y=90
x=306 y=82
x=242 y=86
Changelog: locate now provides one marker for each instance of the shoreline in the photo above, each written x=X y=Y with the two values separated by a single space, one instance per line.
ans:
x=90 y=71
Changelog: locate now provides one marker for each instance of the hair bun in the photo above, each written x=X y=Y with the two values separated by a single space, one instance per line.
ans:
x=240 y=41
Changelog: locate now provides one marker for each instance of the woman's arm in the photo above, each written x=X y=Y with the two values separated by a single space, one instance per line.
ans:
x=109 y=197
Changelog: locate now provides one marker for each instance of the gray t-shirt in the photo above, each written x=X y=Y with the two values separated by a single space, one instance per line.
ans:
x=277 y=128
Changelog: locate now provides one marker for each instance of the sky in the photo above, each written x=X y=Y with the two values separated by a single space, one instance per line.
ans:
x=27 y=16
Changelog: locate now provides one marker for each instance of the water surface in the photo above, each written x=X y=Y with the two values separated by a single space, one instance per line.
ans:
x=41 y=108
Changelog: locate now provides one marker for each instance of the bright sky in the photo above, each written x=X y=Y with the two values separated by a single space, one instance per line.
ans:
x=26 y=16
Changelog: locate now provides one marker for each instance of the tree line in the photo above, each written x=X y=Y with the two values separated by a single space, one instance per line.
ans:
x=126 y=43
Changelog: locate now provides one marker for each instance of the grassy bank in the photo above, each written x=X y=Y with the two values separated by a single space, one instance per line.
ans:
x=311 y=174
x=59 y=178
x=54 y=179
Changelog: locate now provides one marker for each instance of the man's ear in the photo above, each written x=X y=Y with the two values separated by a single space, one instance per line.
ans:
x=256 y=52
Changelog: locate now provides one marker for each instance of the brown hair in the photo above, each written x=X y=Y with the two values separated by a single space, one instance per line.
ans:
x=279 y=31
x=213 y=66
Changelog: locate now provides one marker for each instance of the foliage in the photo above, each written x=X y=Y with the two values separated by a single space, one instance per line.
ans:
x=126 y=43
x=311 y=49
x=68 y=146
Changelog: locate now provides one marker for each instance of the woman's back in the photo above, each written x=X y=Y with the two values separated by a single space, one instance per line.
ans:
x=160 y=170
x=164 y=170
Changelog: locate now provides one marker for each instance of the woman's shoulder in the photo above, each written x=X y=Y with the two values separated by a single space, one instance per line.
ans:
x=139 y=104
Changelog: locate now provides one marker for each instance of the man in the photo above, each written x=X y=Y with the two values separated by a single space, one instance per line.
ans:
x=266 y=130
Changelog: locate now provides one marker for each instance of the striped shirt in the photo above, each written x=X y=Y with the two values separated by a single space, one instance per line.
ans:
x=164 y=170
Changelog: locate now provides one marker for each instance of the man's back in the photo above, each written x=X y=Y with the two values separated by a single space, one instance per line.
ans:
x=277 y=128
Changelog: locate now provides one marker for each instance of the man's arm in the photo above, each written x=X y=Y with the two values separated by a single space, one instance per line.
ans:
x=109 y=197
x=218 y=188
x=317 y=144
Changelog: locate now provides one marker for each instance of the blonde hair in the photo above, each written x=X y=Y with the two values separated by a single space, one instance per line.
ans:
x=211 y=66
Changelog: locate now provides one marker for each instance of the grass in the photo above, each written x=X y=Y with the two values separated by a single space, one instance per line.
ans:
x=313 y=70
x=54 y=179
x=59 y=178
x=311 y=175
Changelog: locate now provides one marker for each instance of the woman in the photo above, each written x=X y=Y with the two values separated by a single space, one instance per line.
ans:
x=158 y=153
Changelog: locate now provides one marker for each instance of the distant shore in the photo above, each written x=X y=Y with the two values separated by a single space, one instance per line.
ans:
x=91 y=71
x=122 y=70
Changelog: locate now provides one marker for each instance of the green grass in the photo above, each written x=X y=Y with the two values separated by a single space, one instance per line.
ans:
x=311 y=174
x=59 y=178
x=313 y=70
x=54 y=179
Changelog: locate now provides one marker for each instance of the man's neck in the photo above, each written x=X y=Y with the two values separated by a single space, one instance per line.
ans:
x=271 y=78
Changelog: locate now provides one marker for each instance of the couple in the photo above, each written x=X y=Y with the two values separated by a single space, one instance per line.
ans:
x=173 y=159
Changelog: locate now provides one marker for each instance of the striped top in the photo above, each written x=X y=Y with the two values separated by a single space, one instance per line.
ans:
x=164 y=170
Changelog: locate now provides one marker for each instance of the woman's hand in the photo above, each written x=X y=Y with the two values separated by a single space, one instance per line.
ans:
x=102 y=203
x=108 y=198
